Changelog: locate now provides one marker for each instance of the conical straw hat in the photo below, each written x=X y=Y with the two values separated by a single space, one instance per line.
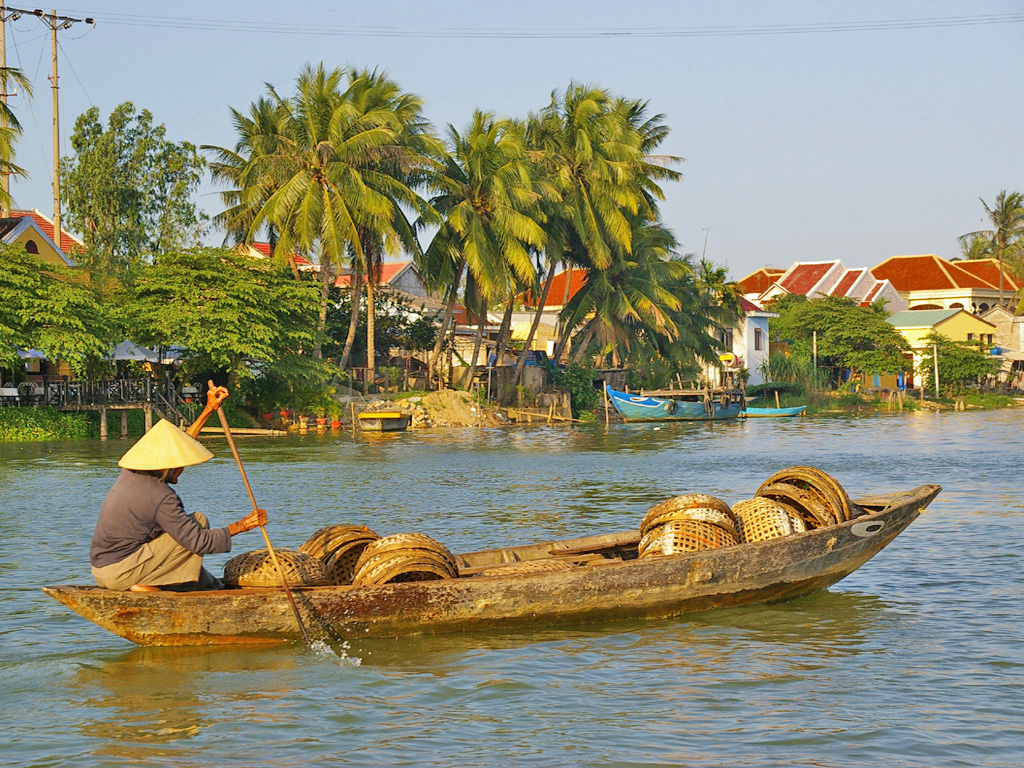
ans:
x=164 y=447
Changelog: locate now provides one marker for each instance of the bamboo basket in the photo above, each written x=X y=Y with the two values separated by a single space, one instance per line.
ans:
x=822 y=484
x=404 y=557
x=684 y=536
x=711 y=515
x=686 y=501
x=256 y=569
x=761 y=519
x=340 y=566
x=325 y=540
x=808 y=504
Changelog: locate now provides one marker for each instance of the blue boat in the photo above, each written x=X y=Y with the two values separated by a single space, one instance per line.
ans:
x=795 y=410
x=689 y=405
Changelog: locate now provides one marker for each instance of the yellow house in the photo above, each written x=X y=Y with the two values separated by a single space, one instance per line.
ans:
x=956 y=324
x=33 y=231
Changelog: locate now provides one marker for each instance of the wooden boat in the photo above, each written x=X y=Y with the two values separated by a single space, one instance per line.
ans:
x=678 y=404
x=773 y=413
x=584 y=580
x=383 y=421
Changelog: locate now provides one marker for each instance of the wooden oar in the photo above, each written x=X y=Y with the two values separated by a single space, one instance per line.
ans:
x=270 y=549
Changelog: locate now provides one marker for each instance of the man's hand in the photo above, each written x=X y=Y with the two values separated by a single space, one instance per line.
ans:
x=215 y=396
x=254 y=519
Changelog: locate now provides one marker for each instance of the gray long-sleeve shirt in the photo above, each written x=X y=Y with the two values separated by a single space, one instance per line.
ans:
x=139 y=508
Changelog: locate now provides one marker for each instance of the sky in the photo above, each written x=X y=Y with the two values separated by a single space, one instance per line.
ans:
x=810 y=130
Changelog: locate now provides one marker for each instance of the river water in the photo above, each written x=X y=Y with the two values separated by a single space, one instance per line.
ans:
x=917 y=659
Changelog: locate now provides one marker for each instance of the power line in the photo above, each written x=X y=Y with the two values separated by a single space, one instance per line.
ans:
x=278 y=27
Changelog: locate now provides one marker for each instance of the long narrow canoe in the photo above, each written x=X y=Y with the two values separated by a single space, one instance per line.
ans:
x=598 y=579
x=647 y=407
x=769 y=413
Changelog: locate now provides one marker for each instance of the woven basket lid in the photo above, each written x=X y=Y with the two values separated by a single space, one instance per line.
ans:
x=164 y=447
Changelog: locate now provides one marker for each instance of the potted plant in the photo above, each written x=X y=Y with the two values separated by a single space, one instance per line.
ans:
x=334 y=411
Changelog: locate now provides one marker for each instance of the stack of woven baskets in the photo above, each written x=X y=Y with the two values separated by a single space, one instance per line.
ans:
x=346 y=554
x=792 y=501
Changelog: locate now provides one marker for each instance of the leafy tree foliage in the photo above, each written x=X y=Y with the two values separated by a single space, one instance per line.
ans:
x=10 y=128
x=397 y=324
x=48 y=308
x=849 y=335
x=961 y=364
x=234 y=313
x=128 y=190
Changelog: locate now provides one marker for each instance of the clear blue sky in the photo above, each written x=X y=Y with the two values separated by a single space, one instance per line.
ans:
x=803 y=145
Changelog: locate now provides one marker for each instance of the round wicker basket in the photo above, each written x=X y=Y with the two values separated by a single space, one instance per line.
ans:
x=808 y=504
x=256 y=569
x=686 y=501
x=831 y=493
x=404 y=557
x=684 y=536
x=761 y=519
x=340 y=566
x=322 y=542
x=712 y=515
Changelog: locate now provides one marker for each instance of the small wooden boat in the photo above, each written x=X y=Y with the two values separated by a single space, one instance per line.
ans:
x=589 y=579
x=678 y=404
x=773 y=413
x=383 y=421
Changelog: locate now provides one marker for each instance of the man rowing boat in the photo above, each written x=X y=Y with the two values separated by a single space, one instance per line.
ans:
x=144 y=540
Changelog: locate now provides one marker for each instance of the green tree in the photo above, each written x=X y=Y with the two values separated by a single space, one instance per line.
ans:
x=128 y=191
x=491 y=219
x=10 y=130
x=848 y=335
x=234 y=313
x=962 y=364
x=47 y=308
x=330 y=170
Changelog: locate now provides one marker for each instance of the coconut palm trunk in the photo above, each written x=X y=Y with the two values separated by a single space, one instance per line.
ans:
x=435 y=356
x=370 y=332
x=353 y=322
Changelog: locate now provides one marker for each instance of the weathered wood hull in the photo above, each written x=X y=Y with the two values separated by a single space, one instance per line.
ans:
x=593 y=592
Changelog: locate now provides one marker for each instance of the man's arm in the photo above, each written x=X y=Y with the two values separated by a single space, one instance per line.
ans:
x=214 y=397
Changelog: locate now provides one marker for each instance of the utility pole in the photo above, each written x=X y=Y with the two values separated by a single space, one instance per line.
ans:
x=55 y=22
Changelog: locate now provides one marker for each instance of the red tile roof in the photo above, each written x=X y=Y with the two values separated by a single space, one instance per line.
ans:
x=926 y=273
x=760 y=281
x=556 y=296
x=804 y=277
x=872 y=294
x=846 y=282
x=264 y=248
x=68 y=242
x=988 y=270
x=388 y=271
x=749 y=306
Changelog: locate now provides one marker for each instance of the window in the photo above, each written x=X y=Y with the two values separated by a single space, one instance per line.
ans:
x=758 y=339
x=31 y=247
x=726 y=338
x=970 y=337
x=990 y=339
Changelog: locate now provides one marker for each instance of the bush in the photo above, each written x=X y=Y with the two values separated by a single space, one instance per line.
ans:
x=580 y=383
x=34 y=424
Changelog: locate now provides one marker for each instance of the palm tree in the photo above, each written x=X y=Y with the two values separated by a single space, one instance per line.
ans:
x=1007 y=233
x=10 y=130
x=328 y=170
x=491 y=217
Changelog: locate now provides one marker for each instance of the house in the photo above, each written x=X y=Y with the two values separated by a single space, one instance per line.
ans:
x=815 y=279
x=756 y=283
x=401 y=276
x=34 y=232
x=261 y=250
x=930 y=282
x=956 y=324
x=746 y=345
x=1009 y=344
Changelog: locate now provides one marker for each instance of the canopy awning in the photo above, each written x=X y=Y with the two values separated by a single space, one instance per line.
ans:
x=129 y=350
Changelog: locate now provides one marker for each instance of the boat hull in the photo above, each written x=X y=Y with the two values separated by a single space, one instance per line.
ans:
x=637 y=407
x=593 y=592
x=774 y=413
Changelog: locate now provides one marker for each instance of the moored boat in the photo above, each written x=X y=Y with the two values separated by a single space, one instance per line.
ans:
x=589 y=579
x=678 y=405
x=383 y=421
x=769 y=413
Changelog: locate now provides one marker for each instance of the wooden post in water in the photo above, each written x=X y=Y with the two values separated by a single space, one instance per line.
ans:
x=607 y=418
x=149 y=416
x=352 y=409
x=124 y=424
x=777 y=399
x=103 y=422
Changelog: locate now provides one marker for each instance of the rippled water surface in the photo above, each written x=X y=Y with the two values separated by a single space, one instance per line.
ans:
x=917 y=659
